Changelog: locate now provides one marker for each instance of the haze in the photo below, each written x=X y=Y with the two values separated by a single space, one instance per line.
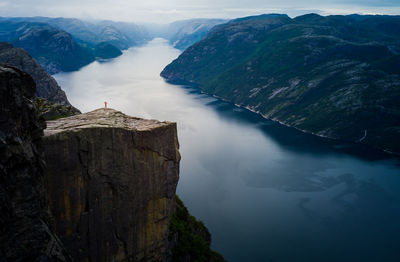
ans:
x=159 y=11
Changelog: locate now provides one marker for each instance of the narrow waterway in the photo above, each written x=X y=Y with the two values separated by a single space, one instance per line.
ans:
x=266 y=192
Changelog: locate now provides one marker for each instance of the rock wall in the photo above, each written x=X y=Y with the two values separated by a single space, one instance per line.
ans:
x=24 y=220
x=111 y=183
x=47 y=86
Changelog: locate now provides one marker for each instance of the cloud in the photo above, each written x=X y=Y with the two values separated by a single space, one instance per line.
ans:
x=170 y=10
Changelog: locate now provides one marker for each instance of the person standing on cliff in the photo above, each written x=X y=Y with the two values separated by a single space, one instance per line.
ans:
x=105 y=106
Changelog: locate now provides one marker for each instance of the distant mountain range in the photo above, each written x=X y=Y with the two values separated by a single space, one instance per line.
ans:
x=63 y=44
x=333 y=76
x=67 y=44
x=54 y=49
x=120 y=34
x=185 y=33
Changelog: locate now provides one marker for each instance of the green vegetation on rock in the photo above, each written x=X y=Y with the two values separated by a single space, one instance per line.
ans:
x=52 y=111
x=334 y=76
x=189 y=238
x=105 y=50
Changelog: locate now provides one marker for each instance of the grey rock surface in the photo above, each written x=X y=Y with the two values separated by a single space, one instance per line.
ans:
x=112 y=181
x=24 y=217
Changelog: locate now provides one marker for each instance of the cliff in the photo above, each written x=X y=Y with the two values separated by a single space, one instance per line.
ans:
x=111 y=183
x=24 y=220
x=334 y=76
x=46 y=85
x=107 y=190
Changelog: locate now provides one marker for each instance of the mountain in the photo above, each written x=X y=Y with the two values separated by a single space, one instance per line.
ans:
x=67 y=44
x=121 y=34
x=110 y=34
x=46 y=85
x=79 y=29
x=51 y=101
x=54 y=49
x=333 y=76
x=106 y=50
x=185 y=33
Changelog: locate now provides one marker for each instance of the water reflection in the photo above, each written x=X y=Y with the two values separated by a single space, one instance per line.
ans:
x=266 y=192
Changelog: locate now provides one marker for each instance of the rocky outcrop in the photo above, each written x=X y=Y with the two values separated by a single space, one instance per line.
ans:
x=52 y=111
x=24 y=220
x=46 y=85
x=111 y=182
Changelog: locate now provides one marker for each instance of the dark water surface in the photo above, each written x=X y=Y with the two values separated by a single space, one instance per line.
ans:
x=266 y=192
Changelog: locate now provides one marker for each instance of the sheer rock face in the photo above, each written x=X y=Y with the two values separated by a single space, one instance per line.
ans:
x=24 y=230
x=47 y=86
x=111 y=182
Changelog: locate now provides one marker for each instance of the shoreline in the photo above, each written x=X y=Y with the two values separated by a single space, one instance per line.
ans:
x=357 y=142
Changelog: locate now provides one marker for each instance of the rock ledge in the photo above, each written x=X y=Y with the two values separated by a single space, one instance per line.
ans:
x=111 y=182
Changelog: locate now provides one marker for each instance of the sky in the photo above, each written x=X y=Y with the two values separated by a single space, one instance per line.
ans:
x=164 y=11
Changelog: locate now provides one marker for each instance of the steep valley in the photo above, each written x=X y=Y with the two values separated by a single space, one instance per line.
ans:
x=261 y=188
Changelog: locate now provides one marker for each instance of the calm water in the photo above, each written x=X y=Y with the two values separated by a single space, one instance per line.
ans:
x=266 y=192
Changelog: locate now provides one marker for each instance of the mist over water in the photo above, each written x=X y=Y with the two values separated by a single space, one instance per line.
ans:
x=266 y=192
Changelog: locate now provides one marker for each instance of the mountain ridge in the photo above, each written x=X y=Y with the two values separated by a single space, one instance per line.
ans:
x=67 y=44
x=324 y=75
x=55 y=49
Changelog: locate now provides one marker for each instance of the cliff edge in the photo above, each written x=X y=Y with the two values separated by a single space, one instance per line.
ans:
x=25 y=233
x=111 y=183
